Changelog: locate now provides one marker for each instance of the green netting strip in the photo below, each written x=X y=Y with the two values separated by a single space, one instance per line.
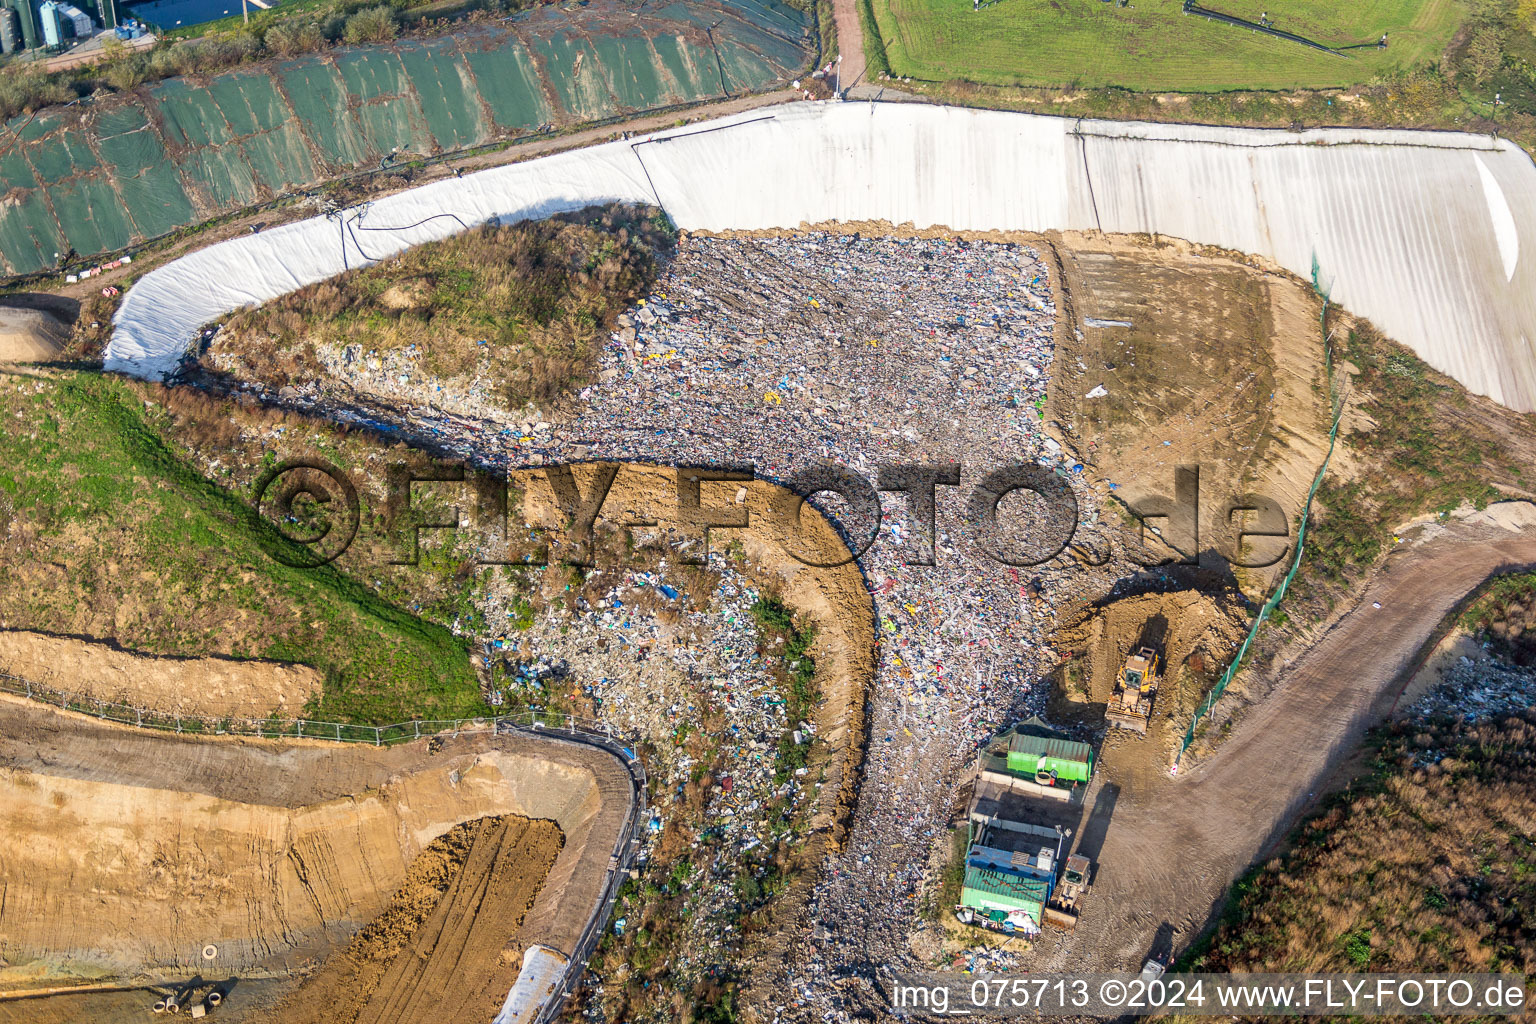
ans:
x=1301 y=538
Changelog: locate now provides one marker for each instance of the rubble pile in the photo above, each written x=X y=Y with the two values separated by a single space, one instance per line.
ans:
x=1475 y=690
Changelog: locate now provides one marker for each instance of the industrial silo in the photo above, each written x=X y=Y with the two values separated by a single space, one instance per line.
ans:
x=26 y=14
x=53 y=31
x=10 y=30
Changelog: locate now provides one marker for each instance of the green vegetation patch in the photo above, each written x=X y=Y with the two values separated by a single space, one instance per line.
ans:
x=791 y=644
x=1152 y=45
x=113 y=532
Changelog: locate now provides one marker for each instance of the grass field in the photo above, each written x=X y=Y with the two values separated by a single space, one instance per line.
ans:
x=1153 y=46
x=108 y=531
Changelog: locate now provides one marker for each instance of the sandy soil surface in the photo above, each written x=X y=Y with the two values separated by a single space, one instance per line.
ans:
x=29 y=335
x=134 y=850
x=1166 y=849
x=214 y=687
x=1194 y=634
x=1192 y=357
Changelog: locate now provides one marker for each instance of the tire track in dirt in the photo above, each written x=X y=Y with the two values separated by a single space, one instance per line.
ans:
x=1175 y=844
x=439 y=955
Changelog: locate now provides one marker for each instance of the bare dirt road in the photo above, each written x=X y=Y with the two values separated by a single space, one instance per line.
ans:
x=850 y=44
x=1170 y=847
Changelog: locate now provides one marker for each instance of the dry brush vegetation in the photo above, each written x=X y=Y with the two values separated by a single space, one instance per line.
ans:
x=1413 y=442
x=1430 y=865
x=1504 y=619
x=525 y=305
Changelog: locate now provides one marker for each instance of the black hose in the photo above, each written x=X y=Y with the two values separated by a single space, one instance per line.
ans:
x=353 y=227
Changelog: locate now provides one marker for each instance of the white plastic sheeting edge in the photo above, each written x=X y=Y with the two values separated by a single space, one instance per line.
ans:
x=537 y=981
x=1504 y=230
x=1418 y=231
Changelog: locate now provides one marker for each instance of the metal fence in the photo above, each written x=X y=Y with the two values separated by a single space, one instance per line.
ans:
x=1301 y=539
x=631 y=838
x=571 y=728
x=274 y=728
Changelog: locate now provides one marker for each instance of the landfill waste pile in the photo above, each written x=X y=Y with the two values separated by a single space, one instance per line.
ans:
x=790 y=352
x=1475 y=690
x=671 y=658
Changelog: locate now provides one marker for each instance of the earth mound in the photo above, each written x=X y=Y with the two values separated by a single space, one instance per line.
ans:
x=30 y=335
x=1195 y=634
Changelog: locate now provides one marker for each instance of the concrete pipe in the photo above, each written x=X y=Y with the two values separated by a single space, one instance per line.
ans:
x=172 y=1006
x=215 y=998
x=159 y=1007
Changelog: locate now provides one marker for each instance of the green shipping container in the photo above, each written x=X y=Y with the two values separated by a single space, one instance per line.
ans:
x=1070 y=760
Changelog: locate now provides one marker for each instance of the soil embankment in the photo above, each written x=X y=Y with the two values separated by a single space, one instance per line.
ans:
x=1171 y=355
x=439 y=950
x=34 y=327
x=212 y=687
x=132 y=851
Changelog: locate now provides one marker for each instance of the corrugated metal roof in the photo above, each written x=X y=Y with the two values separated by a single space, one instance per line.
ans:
x=1007 y=884
x=1067 y=750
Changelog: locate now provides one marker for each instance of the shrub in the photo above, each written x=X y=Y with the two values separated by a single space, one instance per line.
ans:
x=28 y=90
x=127 y=73
x=1486 y=55
x=372 y=25
x=286 y=40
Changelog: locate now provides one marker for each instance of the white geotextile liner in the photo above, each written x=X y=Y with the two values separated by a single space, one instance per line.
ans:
x=541 y=972
x=1430 y=235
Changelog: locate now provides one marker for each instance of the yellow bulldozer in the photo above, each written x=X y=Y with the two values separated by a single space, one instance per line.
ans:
x=1066 y=901
x=1130 y=706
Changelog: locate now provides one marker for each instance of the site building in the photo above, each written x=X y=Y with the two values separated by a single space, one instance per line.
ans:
x=1010 y=872
x=1016 y=834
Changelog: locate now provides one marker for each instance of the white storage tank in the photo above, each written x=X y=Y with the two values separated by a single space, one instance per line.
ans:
x=53 y=33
